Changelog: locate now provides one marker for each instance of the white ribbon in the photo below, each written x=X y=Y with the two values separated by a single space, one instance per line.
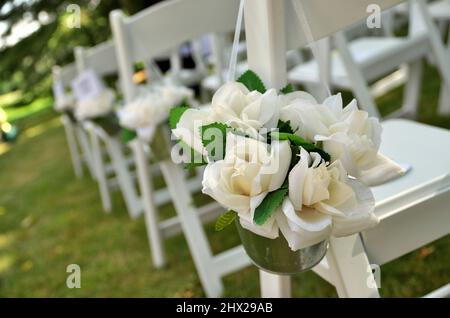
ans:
x=315 y=50
x=234 y=50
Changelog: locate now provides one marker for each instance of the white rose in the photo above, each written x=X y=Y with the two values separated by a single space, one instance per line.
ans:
x=305 y=115
x=249 y=171
x=298 y=97
x=174 y=95
x=348 y=134
x=95 y=107
x=188 y=127
x=236 y=106
x=322 y=201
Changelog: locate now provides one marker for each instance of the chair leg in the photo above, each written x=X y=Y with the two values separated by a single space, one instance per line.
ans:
x=440 y=51
x=444 y=101
x=100 y=172
x=359 y=83
x=274 y=286
x=411 y=97
x=444 y=94
x=192 y=228
x=126 y=184
x=86 y=149
x=73 y=148
x=350 y=269
x=150 y=211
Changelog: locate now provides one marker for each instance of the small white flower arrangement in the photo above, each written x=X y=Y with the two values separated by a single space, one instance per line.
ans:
x=95 y=107
x=147 y=111
x=285 y=164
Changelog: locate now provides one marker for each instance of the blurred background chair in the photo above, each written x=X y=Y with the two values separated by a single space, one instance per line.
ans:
x=77 y=139
x=138 y=39
x=366 y=59
x=106 y=148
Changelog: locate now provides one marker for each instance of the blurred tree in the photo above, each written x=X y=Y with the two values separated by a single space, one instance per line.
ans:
x=26 y=65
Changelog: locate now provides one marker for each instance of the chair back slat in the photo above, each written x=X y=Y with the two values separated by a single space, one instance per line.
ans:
x=164 y=26
x=326 y=17
x=101 y=59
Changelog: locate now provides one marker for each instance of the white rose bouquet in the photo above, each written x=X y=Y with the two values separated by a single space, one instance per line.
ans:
x=98 y=106
x=284 y=163
x=99 y=109
x=146 y=112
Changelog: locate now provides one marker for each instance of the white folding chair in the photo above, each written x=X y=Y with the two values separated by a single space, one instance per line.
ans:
x=365 y=59
x=77 y=140
x=142 y=37
x=440 y=11
x=102 y=60
x=401 y=204
x=114 y=168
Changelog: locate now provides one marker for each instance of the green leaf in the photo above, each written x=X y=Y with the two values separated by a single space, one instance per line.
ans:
x=287 y=89
x=252 y=82
x=224 y=220
x=127 y=135
x=285 y=127
x=297 y=140
x=211 y=144
x=193 y=165
x=270 y=203
x=175 y=115
x=300 y=142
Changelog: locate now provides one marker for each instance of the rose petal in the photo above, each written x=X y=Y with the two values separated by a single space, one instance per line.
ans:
x=302 y=228
x=382 y=170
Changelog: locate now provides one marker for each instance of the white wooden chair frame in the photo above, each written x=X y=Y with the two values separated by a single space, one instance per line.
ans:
x=77 y=139
x=400 y=203
x=102 y=60
x=440 y=11
x=140 y=38
x=411 y=50
x=188 y=77
x=113 y=168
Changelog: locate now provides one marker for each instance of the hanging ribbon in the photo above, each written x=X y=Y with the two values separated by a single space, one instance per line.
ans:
x=234 y=50
x=299 y=9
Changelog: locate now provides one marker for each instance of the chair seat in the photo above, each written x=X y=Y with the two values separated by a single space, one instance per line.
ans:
x=376 y=53
x=440 y=10
x=413 y=209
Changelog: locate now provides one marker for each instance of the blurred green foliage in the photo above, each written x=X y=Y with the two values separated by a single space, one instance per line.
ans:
x=26 y=66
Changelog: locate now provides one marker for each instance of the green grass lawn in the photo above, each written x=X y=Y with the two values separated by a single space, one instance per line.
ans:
x=49 y=219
